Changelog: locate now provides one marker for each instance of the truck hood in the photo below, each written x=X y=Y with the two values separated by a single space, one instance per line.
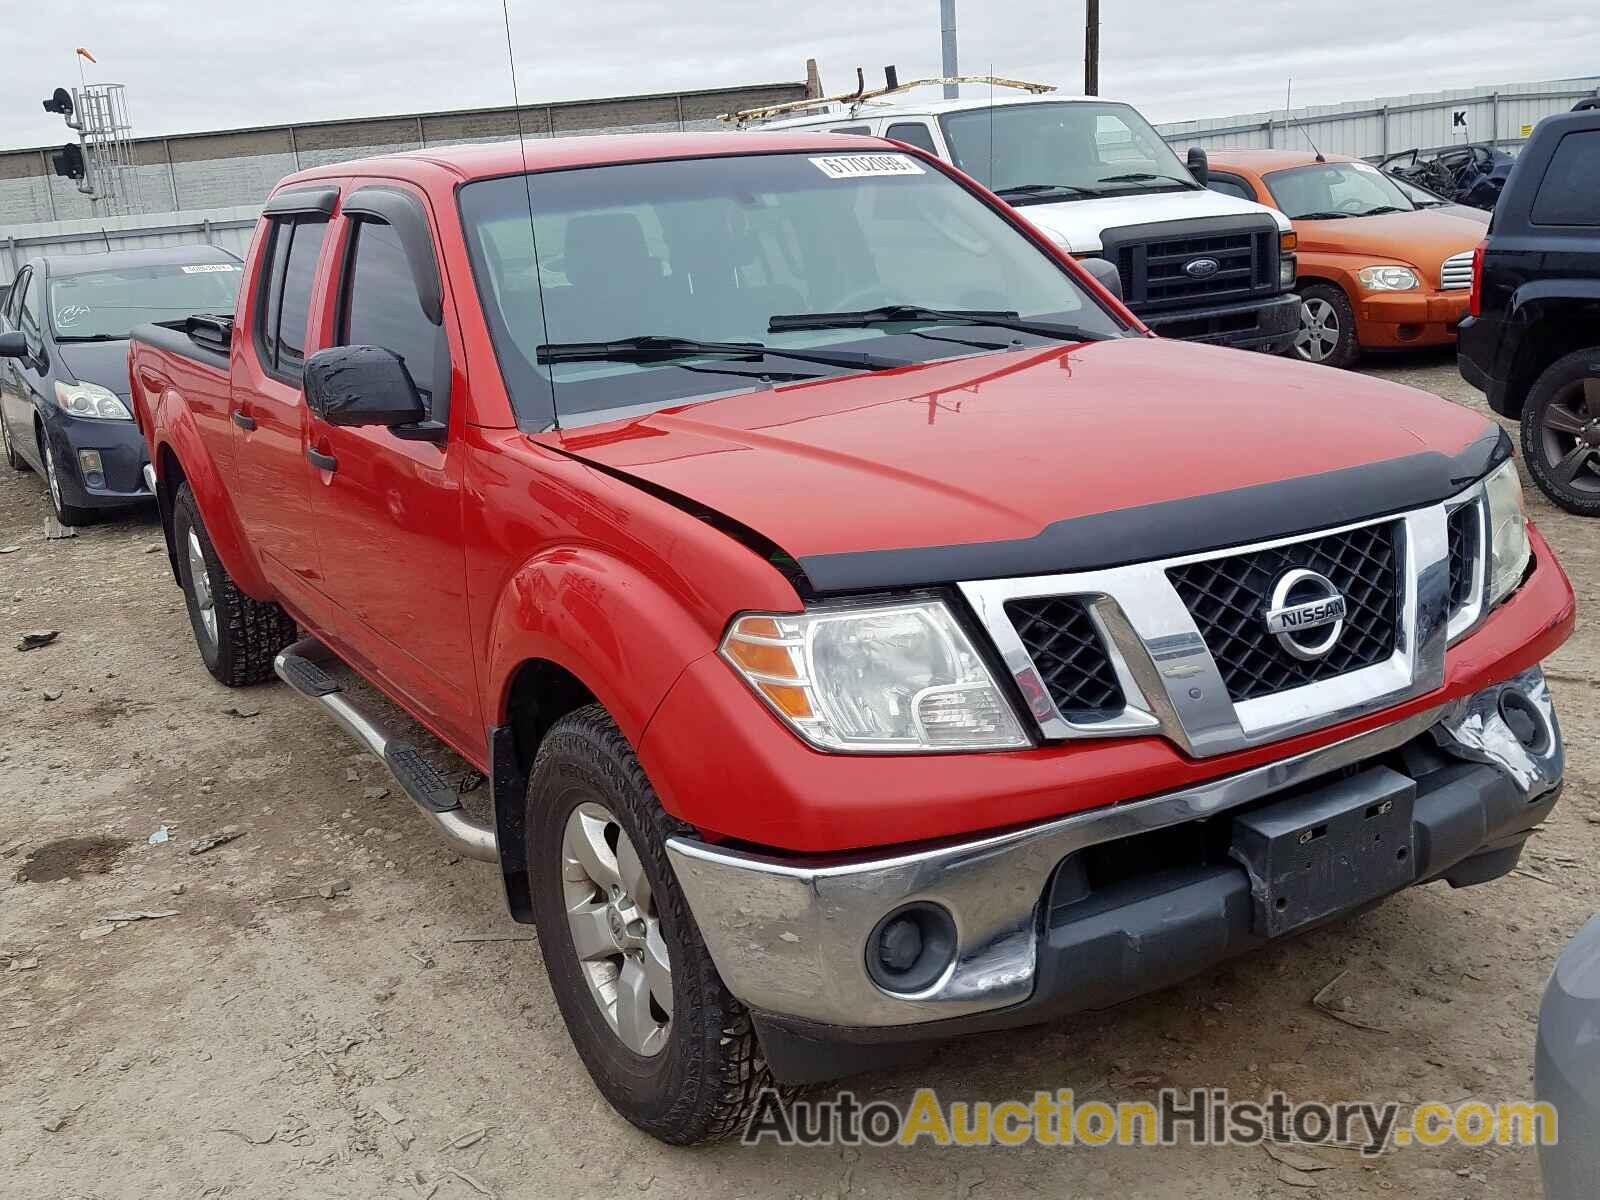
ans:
x=1077 y=225
x=992 y=452
x=1422 y=239
x=105 y=363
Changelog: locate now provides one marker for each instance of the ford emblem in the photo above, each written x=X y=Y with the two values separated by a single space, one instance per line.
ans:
x=1201 y=268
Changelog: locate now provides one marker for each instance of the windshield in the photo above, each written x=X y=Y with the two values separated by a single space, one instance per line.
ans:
x=107 y=304
x=1100 y=148
x=1330 y=190
x=714 y=249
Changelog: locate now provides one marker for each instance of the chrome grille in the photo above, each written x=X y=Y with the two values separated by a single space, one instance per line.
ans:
x=1228 y=596
x=1462 y=527
x=1153 y=274
x=1456 y=272
x=1069 y=654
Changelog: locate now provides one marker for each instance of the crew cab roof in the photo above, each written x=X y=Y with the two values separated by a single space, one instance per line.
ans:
x=490 y=159
x=113 y=260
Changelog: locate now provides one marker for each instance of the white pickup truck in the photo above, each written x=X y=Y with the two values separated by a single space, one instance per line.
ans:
x=1099 y=181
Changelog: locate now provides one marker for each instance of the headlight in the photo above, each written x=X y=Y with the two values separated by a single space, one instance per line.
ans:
x=885 y=678
x=91 y=400
x=1387 y=279
x=1288 y=266
x=1508 y=532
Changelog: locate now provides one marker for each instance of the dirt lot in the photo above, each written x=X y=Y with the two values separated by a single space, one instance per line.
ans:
x=265 y=1041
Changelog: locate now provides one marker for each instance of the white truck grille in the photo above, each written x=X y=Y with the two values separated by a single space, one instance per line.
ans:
x=1456 y=271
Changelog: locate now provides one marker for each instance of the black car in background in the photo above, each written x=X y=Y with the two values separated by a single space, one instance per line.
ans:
x=64 y=363
x=1532 y=341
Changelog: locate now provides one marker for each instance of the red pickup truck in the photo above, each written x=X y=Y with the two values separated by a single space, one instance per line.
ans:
x=870 y=632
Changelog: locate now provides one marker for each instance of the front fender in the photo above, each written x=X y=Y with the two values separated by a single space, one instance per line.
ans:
x=601 y=618
x=178 y=455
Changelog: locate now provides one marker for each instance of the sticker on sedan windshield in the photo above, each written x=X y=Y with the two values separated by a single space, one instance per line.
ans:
x=859 y=166
x=208 y=268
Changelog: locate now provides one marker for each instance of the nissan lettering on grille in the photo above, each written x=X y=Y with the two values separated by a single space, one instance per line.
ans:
x=1306 y=614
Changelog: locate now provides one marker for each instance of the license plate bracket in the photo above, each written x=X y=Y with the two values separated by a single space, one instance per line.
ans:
x=1327 y=850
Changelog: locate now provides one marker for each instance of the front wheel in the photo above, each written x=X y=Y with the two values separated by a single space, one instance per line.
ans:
x=661 y=1036
x=1327 y=327
x=1561 y=432
x=238 y=637
x=67 y=514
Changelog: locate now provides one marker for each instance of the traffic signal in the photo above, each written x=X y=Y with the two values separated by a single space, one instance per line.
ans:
x=68 y=161
x=60 y=102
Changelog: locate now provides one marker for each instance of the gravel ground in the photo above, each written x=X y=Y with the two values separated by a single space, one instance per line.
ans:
x=265 y=1041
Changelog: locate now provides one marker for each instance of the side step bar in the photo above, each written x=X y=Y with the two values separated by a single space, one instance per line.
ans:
x=298 y=666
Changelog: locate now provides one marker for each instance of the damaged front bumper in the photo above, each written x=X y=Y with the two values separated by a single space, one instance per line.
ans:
x=1096 y=908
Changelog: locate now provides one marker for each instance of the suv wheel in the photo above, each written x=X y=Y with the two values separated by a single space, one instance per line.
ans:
x=67 y=514
x=662 y=1038
x=238 y=637
x=1561 y=432
x=1327 y=327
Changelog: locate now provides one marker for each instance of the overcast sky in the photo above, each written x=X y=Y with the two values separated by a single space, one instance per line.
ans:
x=194 y=67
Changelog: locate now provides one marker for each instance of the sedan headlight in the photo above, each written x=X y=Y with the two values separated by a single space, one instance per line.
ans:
x=1509 y=551
x=1387 y=279
x=91 y=400
x=883 y=678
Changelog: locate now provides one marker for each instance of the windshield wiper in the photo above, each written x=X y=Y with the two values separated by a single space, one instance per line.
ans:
x=1319 y=216
x=1383 y=208
x=1032 y=191
x=1146 y=176
x=90 y=337
x=891 y=313
x=654 y=346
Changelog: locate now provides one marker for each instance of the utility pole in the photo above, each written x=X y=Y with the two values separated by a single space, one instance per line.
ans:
x=947 y=36
x=1091 y=47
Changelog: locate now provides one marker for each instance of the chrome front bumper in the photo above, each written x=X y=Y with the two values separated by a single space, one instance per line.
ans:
x=789 y=936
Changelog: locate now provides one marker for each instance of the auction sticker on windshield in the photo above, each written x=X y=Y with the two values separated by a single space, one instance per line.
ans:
x=857 y=166
x=209 y=268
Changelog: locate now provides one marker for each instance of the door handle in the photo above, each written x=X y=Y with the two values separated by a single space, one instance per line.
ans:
x=316 y=458
x=244 y=422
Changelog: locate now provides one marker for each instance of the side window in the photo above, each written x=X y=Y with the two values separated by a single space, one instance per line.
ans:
x=381 y=306
x=1230 y=185
x=286 y=295
x=1570 y=191
x=8 y=311
x=864 y=130
x=28 y=310
x=912 y=133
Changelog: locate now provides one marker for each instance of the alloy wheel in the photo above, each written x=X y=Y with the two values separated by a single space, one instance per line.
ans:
x=50 y=472
x=1569 y=436
x=205 y=600
x=616 y=931
x=1319 y=330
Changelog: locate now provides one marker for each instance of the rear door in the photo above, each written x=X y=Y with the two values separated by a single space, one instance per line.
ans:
x=267 y=404
x=388 y=506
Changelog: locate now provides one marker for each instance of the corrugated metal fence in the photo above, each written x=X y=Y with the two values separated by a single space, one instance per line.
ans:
x=1502 y=114
x=229 y=228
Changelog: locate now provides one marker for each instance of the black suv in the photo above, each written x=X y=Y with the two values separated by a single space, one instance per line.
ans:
x=1532 y=343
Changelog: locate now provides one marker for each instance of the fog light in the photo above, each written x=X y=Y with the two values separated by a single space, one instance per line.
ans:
x=911 y=948
x=89 y=460
x=1524 y=721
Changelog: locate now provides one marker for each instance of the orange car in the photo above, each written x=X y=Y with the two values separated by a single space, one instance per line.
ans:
x=1376 y=270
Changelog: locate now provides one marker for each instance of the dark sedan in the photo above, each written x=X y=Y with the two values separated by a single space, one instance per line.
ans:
x=64 y=363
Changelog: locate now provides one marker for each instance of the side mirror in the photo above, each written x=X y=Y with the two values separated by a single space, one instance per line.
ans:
x=1105 y=273
x=362 y=385
x=13 y=344
x=1199 y=165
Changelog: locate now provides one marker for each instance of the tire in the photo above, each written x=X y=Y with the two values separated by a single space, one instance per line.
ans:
x=1325 y=310
x=13 y=460
x=1561 y=432
x=699 y=1078
x=242 y=636
x=67 y=514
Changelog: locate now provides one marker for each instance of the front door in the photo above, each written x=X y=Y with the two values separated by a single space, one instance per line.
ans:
x=272 y=487
x=388 y=509
x=13 y=395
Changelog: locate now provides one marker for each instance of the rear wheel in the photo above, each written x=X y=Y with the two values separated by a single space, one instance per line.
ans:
x=1561 y=432
x=663 y=1039
x=238 y=637
x=1327 y=327
x=67 y=514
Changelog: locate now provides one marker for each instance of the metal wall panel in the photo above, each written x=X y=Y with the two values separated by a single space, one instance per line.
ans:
x=230 y=228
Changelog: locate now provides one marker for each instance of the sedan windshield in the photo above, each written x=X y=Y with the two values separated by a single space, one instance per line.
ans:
x=641 y=284
x=1328 y=191
x=1033 y=153
x=105 y=305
